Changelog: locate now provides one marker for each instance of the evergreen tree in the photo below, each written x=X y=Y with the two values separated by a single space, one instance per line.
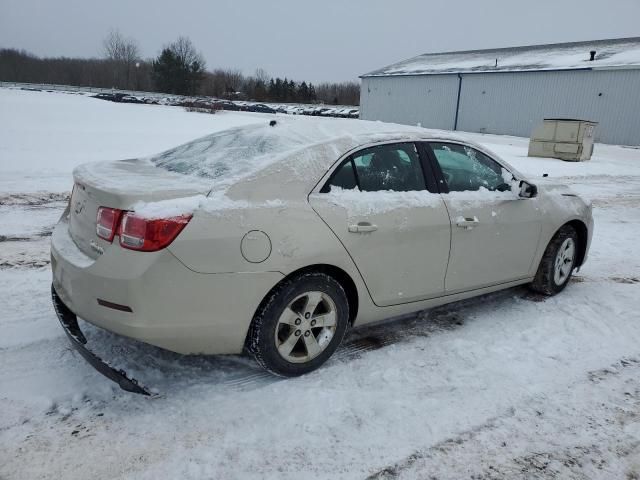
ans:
x=166 y=70
x=303 y=92
x=271 y=91
x=279 y=93
x=179 y=69
x=260 y=90
x=291 y=91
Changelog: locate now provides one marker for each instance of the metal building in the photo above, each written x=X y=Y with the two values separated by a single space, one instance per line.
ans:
x=511 y=90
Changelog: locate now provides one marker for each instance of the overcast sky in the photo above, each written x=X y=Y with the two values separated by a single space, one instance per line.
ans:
x=310 y=40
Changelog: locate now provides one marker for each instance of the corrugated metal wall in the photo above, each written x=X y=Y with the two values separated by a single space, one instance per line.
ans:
x=410 y=100
x=511 y=103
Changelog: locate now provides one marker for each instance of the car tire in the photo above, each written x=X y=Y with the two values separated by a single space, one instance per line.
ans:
x=299 y=325
x=558 y=262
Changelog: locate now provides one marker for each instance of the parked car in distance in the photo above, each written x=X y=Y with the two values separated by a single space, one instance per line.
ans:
x=329 y=112
x=277 y=238
x=115 y=97
x=227 y=105
x=260 y=108
x=130 y=99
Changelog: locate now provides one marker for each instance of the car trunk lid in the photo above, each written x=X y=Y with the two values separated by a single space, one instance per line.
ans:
x=120 y=185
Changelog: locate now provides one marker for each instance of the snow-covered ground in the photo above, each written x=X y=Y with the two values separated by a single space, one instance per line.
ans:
x=506 y=386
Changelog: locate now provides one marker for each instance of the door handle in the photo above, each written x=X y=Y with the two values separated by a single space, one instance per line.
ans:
x=467 y=222
x=362 y=227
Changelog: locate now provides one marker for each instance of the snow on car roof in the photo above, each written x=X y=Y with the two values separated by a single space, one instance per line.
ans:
x=299 y=150
x=613 y=53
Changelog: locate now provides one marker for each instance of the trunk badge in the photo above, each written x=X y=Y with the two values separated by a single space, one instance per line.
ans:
x=79 y=207
x=96 y=248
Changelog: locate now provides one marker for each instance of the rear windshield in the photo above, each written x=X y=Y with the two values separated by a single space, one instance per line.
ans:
x=231 y=153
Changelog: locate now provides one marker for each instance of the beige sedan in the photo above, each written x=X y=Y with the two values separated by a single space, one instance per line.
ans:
x=276 y=238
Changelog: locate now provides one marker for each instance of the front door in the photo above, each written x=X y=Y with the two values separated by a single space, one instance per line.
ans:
x=397 y=231
x=494 y=232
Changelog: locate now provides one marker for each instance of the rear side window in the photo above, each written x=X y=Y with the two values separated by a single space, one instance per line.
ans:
x=394 y=167
x=344 y=177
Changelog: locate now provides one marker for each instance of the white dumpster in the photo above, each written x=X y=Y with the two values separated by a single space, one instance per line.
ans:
x=565 y=138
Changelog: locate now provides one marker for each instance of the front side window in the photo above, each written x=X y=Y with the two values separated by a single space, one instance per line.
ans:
x=465 y=168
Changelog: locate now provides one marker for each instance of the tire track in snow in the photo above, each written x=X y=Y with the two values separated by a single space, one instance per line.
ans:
x=34 y=199
x=365 y=339
x=596 y=440
x=26 y=223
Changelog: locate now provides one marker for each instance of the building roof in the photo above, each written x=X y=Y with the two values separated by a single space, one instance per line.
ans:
x=610 y=54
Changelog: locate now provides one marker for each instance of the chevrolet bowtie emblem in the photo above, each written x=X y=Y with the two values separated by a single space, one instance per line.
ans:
x=79 y=207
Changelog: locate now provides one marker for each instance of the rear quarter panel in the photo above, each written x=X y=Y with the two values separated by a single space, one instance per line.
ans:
x=211 y=243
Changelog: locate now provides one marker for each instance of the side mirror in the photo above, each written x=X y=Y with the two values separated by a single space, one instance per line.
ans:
x=528 y=190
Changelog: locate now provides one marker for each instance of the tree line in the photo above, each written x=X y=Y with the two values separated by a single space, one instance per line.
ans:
x=178 y=69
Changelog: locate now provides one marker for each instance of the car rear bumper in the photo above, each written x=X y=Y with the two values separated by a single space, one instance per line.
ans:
x=167 y=304
x=69 y=323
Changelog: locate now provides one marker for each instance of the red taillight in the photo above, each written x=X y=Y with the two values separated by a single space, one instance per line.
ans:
x=149 y=235
x=107 y=222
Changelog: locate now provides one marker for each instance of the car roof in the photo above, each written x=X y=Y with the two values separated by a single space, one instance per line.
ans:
x=308 y=147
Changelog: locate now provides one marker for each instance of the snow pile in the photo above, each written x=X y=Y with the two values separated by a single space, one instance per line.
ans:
x=137 y=177
x=358 y=203
x=174 y=207
x=216 y=202
x=475 y=198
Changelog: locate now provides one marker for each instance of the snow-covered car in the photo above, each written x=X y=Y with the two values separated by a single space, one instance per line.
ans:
x=347 y=112
x=276 y=238
x=329 y=112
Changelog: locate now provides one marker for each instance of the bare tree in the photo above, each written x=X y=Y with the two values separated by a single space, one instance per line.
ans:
x=233 y=80
x=261 y=75
x=186 y=52
x=222 y=83
x=176 y=70
x=124 y=53
x=118 y=48
x=345 y=93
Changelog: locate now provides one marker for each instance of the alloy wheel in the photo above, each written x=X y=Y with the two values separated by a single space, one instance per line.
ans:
x=306 y=326
x=564 y=261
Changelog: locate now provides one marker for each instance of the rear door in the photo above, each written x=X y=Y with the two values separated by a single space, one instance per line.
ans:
x=494 y=232
x=382 y=204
